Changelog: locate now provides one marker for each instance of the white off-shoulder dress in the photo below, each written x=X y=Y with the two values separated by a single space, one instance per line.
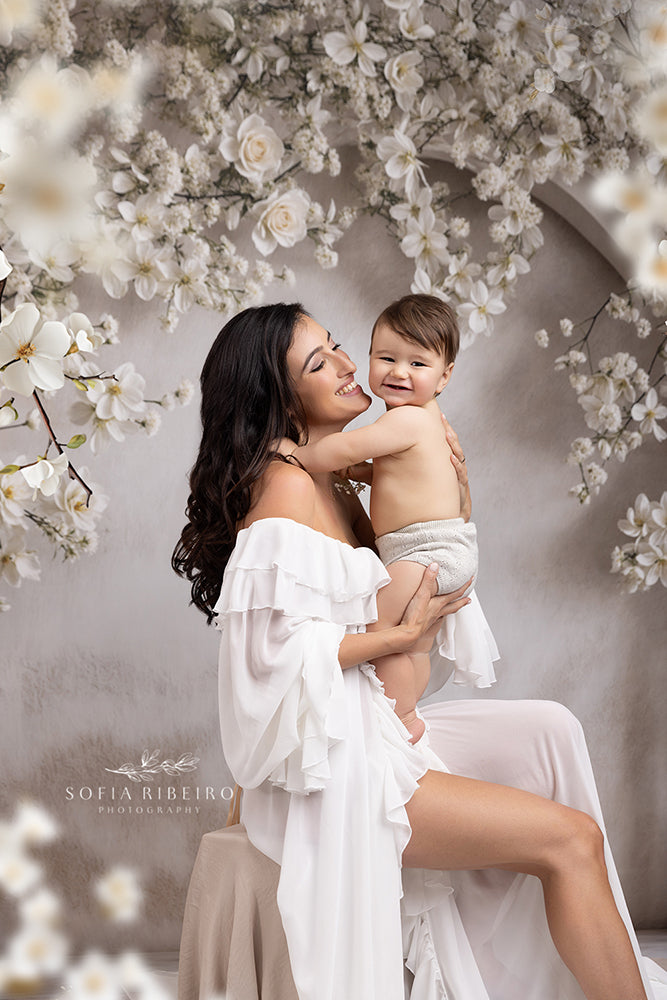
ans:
x=327 y=769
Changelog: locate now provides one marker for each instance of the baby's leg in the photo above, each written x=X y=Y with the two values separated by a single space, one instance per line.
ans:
x=402 y=674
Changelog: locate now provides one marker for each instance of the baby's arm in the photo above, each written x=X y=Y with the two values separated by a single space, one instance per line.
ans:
x=393 y=432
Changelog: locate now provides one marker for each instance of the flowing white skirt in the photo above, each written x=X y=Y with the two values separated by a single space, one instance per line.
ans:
x=537 y=746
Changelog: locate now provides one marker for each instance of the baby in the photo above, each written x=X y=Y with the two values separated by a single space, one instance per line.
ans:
x=415 y=500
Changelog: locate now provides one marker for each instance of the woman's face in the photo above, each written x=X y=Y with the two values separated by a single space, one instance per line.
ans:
x=323 y=376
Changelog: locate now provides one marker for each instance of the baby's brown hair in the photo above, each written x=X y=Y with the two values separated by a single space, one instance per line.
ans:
x=426 y=320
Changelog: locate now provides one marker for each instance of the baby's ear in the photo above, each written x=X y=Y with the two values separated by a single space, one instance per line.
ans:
x=444 y=378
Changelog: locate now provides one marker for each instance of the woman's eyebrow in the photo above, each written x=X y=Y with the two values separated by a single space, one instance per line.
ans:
x=314 y=352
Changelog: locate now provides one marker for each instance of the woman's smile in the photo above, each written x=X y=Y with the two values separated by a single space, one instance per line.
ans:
x=348 y=388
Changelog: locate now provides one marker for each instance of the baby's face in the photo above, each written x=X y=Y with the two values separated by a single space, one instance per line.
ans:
x=402 y=372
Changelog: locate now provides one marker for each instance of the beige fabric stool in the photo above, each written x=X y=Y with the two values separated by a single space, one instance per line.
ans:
x=233 y=943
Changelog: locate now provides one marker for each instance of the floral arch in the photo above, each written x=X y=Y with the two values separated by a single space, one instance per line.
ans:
x=137 y=141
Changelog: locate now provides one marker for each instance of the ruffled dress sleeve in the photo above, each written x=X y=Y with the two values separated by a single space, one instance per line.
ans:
x=289 y=594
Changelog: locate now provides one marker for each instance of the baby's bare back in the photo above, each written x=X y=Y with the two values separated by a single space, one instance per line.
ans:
x=419 y=483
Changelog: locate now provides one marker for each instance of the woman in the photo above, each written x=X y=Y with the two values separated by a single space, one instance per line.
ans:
x=334 y=791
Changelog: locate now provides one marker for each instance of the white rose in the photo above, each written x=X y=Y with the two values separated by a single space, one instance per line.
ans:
x=282 y=221
x=255 y=149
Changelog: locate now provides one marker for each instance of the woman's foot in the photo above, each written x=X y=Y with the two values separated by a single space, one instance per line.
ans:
x=414 y=725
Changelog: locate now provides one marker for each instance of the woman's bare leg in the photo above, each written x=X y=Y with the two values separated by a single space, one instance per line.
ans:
x=401 y=673
x=461 y=823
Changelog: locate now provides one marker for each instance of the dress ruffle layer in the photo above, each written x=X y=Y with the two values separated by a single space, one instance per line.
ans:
x=293 y=721
x=302 y=574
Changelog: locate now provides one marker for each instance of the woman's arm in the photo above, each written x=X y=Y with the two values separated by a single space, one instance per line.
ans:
x=421 y=616
x=458 y=461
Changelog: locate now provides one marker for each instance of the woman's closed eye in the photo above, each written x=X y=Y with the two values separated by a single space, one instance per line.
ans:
x=320 y=366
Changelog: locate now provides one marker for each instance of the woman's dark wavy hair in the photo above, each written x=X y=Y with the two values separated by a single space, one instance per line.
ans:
x=247 y=401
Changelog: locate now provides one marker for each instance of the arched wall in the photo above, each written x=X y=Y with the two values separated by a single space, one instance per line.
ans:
x=104 y=658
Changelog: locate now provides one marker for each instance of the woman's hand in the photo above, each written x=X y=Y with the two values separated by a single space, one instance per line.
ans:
x=421 y=620
x=360 y=473
x=425 y=612
x=458 y=461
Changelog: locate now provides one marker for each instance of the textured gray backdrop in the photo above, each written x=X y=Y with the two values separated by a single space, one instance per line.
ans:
x=104 y=658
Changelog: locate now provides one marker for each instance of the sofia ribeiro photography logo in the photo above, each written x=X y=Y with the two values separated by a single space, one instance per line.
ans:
x=139 y=792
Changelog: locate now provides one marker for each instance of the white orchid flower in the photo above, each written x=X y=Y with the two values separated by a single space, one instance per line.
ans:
x=36 y=348
x=344 y=47
x=647 y=415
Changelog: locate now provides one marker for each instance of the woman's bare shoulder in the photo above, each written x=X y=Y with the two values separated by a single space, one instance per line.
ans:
x=284 y=490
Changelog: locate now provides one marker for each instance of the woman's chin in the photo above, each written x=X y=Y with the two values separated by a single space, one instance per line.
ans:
x=358 y=403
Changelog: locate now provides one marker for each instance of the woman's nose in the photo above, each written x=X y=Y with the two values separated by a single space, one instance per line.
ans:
x=346 y=365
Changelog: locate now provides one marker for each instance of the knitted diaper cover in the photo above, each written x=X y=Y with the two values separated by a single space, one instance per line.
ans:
x=451 y=543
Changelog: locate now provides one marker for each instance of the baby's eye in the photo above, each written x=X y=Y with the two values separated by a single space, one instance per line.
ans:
x=386 y=359
x=419 y=364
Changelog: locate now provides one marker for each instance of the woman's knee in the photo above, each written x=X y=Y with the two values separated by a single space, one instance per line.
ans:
x=577 y=843
x=555 y=721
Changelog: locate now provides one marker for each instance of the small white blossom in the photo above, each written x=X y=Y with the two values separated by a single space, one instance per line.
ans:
x=658 y=523
x=119 y=894
x=36 y=950
x=399 y=154
x=483 y=305
x=411 y=22
x=41 y=907
x=45 y=475
x=648 y=413
x=14 y=493
x=542 y=338
x=654 y=562
x=145 y=216
x=151 y=422
x=184 y=391
x=602 y=412
x=580 y=449
x=425 y=240
x=93 y=978
x=637 y=520
x=544 y=81
x=402 y=76
x=18 y=873
x=144 y=265
x=81 y=511
x=120 y=398
x=345 y=47
x=595 y=475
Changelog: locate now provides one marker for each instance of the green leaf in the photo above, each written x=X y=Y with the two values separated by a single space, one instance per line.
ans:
x=8 y=469
x=76 y=441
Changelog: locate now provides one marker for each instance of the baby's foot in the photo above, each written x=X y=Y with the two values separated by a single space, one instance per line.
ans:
x=415 y=726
